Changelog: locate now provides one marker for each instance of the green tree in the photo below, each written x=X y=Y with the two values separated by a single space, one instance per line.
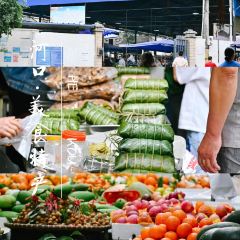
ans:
x=11 y=15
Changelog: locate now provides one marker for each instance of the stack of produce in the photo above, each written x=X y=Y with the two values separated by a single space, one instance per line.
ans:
x=80 y=84
x=147 y=138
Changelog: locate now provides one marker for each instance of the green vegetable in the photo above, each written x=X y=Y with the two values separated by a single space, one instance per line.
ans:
x=146 y=84
x=146 y=131
x=120 y=203
x=157 y=120
x=97 y=115
x=135 y=145
x=216 y=226
x=45 y=187
x=65 y=114
x=233 y=217
x=80 y=187
x=24 y=196
x=8 y=214
x=145 y=162
x=7 y=201
x=13 y=192
x=144 y=96
x=86 y=196
x=144 y=108
x=141 y=188
x=105 y=206
x=18 y=208
x=65 y=189
x=133 y=70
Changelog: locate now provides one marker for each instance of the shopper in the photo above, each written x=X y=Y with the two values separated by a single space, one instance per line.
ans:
x=229 y=58
x=210 y=63
x=122 y=62
x=147 y=60
x=180 y=61
x=194 y=106
x=220 y=148
x=131 y=60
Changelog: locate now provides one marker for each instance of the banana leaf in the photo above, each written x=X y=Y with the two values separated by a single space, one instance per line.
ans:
x=97 y=115
x=145 y=162
x=144 y=108
x=159 y=119
x=133 y=70
x=146 y=131
x=66 y=114
x=135 y=145
x=144 y=96
x=149 y=84
x=53 y=125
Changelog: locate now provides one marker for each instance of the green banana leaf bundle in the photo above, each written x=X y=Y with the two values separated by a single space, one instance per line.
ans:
x=158 y=119
x=133 y=70
x=149 y=84
x=144 y=108
x=145 y=162
x=144 y=96
x=135 y=145
x=66 y=114
x=52 y=126
x=146 y=131
x=97 y=115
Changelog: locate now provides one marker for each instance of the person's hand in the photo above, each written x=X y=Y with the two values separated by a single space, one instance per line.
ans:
x=207 y=153
x=9 y=127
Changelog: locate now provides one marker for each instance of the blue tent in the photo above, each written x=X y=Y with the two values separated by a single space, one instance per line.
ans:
x=59 y=2
x=164 y=45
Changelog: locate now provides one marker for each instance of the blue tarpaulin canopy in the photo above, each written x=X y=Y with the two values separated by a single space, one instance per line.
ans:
x=164 y=45
x=59 y=2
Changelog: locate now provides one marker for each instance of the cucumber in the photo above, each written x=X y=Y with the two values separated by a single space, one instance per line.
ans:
x=216 y=226
x=8 y=214
x=86 y=196
x=65 y=189
x=234 y=217
x=7 y=201
x=80 y=187
x=18 y=208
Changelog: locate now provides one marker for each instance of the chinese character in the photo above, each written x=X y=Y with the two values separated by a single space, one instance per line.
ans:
x=35 y=105
x=38 y=136
x=38 y=181
x=38 y=48
x=39 y=158
x=72 y=83
x=41 y=71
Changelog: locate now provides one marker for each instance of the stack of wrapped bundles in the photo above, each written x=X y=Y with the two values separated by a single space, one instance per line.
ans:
x=147 y=137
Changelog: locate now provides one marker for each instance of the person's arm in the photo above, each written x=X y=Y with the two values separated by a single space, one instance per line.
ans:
x=223 y=89
x=9 y=127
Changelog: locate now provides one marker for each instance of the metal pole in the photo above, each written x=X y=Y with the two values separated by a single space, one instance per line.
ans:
x=205 y=22
x=231 y=20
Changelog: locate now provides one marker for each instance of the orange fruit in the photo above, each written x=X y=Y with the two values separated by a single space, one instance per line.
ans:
x=180 y=214
x=192 y=236
x=198 y=205
x=162 y=217
x=191 y=220
x=141 y=178
x=149 y=238
x=150 y=181
x=152 y=175
x=204 y=222
x=196 y=230
x=172 y=235
x=172 y=223
x=166 y=238
x=158 y=231
x=206 y=210
x=145 y=232
x=184 y=230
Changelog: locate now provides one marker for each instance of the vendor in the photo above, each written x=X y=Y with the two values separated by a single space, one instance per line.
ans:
x=220 y=148
x=9 y=127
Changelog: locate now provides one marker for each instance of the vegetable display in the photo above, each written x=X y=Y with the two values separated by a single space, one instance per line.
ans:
x=132 y=70
x=146 y=131
x=158 y=120
x=149 y=84
x=65 y=114
x=138 y=145
x=145 y=162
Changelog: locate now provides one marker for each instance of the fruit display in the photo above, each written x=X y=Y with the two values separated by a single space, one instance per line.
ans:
x=194 y=181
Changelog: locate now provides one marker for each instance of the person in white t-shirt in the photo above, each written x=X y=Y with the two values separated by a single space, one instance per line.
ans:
x=180 y=61
x=195 y=105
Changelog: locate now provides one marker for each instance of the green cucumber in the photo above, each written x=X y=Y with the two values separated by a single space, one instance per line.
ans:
x=7 y=201
x=86 y=196
x=234 y=217
x=8 y=214
x=65 y=189
x=216 y=226
x=80 y=187
x=18 y=208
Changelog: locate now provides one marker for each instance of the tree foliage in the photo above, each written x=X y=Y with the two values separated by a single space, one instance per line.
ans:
x=11 y=15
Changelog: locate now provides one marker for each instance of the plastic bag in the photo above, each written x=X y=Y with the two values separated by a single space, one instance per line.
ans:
x=22 y=142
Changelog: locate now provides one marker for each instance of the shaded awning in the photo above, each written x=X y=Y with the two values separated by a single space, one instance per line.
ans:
x=165 y=45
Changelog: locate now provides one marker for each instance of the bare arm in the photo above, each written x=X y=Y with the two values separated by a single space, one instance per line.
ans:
x=223 y=88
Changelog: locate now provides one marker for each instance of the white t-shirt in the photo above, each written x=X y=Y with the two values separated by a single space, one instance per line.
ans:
x=122 y=63
x=195 y=102
x=180 y=62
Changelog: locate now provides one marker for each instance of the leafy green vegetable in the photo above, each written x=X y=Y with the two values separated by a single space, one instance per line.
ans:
x=146 y=84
